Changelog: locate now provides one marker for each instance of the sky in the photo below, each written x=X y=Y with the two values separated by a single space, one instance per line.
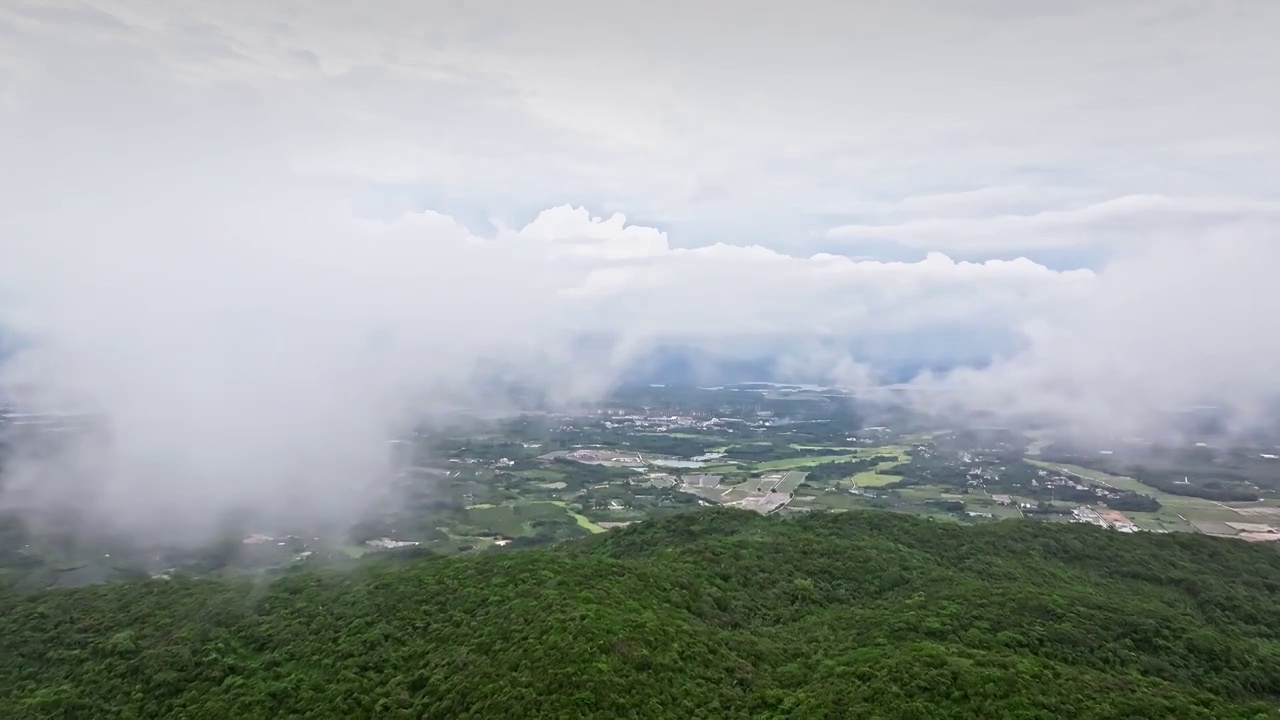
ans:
x=283 y=226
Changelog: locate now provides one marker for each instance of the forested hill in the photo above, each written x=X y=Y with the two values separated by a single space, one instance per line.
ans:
x=720 y=614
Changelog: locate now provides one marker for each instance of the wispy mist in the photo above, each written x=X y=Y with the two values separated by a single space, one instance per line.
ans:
x=180 y=253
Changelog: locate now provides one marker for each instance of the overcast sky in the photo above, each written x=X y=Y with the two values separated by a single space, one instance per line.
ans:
x=978 y=127
x=208 y=207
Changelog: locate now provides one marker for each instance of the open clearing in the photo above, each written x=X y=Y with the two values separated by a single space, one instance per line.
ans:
x=541 y=474
x=513 y=520
x=583 y=521
x=1214 y=527
x=690 y=436
x=791 y=463
x=736 y=493
x=1160 y=521
x=871 y=479
x=719 y=469
x=791 y=481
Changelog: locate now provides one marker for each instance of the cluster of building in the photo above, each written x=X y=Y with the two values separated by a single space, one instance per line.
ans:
x=1066 y=482
x=1104 y=518
x=663 y=421
x=283 y=541
x=595 y=456
x=389 y=544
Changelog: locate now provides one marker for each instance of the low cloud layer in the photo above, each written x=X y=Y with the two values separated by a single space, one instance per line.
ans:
x=187 y=244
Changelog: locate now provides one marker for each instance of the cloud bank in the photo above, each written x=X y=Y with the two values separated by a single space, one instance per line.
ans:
x=259 y=239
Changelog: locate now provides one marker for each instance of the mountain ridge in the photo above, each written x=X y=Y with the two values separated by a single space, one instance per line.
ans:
x=712 y=614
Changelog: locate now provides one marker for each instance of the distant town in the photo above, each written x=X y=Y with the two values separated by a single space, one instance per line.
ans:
x=652 y=451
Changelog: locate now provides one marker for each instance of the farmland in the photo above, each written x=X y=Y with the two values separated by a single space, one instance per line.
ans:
x=805 y=462
x=1178 y=513
x=527 y=482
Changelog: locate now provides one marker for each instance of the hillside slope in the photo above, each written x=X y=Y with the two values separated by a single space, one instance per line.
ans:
x=717 y=614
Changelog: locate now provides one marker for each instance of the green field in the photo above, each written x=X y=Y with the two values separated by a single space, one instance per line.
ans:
x=871 y=479
x=1163 y=520
x=791 y=463
x=921 y=493
x=900 y=451
x=513 y=519
x=586 y=524
x=924 y=436
x=541 y=474
x=583 y=521
x=718 y=469
x=833 y=501
x=1000 y=511
x=689 y=436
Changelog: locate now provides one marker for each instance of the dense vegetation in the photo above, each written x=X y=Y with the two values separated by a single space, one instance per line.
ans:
x=832 y=471
x=1207 y=488
x=714 y=614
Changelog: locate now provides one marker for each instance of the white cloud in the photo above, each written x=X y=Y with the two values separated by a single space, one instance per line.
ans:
x=670 y=112
x=610 y=238
x=1165 y=329
x=176 y=231
x=1124 y=220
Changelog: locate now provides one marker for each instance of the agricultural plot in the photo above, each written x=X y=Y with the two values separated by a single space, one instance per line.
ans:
x=764 y=484
x=514 y=520
x=807 y=502
x=922 y=493
x=922 y=437
x=1208 y=510
x=1191 y=509
x=583 y=521
x=873 y=479
x=720 y=469
x=715 y=494
x=701 y=481
x=835 y=501
x=1004 y=512
x=1260 y=510
x=731 y=495
x=1115 y=481
x=1162 y=521
x=543 y=475
x=1214 y=527
x=791 y=481
x=763 y=504
x=998 y=511
x=792 y=463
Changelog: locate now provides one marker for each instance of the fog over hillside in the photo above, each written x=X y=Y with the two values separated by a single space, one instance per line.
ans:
x=258 y=239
